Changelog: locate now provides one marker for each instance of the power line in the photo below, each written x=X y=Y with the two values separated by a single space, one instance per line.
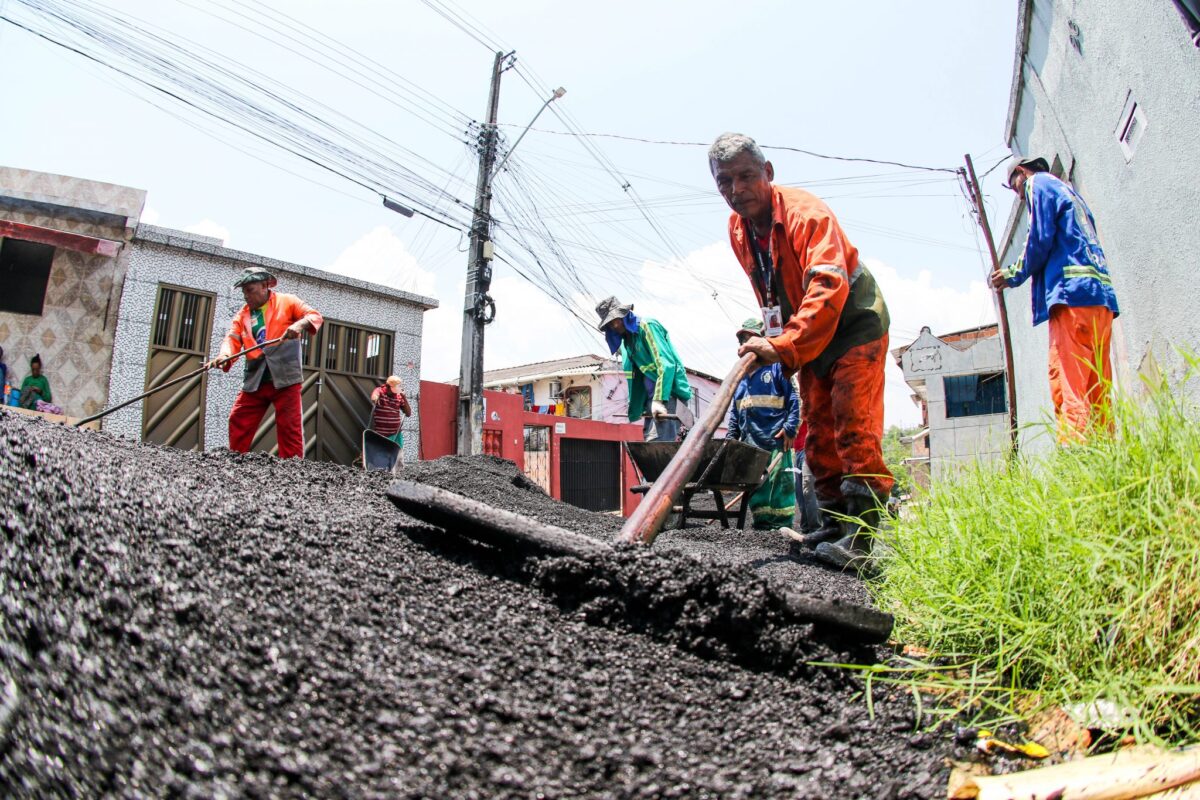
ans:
x=164 y=67
x=788 y=148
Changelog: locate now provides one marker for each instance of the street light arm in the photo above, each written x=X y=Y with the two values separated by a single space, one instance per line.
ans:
x=559 y=92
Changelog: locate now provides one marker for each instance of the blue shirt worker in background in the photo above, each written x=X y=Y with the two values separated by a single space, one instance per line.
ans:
x=657 y=378
x=1072 y=290
x=766 y=413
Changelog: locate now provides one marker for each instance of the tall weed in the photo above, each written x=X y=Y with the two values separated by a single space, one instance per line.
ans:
x=1067 y=579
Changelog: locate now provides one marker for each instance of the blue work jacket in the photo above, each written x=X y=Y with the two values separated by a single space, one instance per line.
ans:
x=764 y=402
x=1062 y=254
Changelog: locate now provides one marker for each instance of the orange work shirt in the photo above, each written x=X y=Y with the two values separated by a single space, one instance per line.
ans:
x=815 y=263
x=280 y=312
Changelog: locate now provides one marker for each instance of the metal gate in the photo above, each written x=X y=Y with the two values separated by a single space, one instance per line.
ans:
x=178 y=345
x=537 y=455
x=590 y=473
x=342 y=366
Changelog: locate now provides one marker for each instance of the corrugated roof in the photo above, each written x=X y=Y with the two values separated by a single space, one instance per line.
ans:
x=575 y=365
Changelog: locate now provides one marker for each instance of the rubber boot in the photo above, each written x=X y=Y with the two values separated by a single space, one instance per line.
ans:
x=831 y=523
x=854 y=548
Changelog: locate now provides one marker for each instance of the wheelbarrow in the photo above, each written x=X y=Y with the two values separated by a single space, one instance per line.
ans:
x=509 y=532
x=379 y=453
x=725 y=465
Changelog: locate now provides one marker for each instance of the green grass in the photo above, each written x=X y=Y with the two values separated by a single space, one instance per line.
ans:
x=1061 y=580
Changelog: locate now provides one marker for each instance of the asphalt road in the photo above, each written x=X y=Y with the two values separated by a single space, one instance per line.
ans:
x=214 y=625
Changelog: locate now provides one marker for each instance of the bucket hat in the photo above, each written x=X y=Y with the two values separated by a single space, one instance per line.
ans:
x=610 y=308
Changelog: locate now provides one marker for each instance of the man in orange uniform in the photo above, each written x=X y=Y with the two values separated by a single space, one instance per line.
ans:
x=825 y=317
x=1071 y=288
x=273 y=374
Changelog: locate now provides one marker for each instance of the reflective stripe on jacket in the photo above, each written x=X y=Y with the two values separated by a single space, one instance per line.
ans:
x=283 y=361
x=649 y=354
x=830 y=301
x=763 y=402
x=1062 y=253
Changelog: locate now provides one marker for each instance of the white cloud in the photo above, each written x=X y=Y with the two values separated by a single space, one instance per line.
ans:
x=914 y=303
x=381 y=257
x=150 y=216
x=206 y=227
x=529 y=327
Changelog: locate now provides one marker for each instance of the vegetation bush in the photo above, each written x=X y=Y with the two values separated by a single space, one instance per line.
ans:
x=1069 y=579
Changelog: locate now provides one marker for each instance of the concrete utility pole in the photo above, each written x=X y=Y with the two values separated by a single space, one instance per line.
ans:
x=478 y=307
x=968 y=176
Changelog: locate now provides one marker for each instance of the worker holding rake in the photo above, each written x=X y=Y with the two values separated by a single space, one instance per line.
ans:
x=273 y=373
x=824 y=317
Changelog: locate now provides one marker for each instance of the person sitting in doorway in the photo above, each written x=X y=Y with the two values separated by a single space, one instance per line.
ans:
x=3 y=378
x=387 y=404
x=35 y=387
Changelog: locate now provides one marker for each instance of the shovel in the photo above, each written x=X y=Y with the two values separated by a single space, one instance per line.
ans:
x=172 y=382
x=509 y=531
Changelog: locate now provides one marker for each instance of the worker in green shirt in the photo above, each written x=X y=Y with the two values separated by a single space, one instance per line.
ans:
x=35 y=386
x=657 y=379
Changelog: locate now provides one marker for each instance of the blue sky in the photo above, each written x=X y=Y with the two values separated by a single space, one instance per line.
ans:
x=871 y=79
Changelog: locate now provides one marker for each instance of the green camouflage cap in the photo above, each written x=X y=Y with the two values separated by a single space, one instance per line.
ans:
x=753 y=326
x=252 y=274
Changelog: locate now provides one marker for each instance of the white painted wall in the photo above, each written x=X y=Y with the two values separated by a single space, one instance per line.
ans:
x=955 y=441
x=164 y=256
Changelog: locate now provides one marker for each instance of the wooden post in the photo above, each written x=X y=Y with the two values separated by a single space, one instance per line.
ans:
x=972 y=182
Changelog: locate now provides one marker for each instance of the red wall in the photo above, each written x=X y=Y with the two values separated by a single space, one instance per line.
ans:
x=438 y=419
x=596 y=431
x=505 y=414
x=502 y=412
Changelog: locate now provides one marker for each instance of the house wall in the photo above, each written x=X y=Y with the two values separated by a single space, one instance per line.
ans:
x=159 y=255
x=615 y=394
x=1070 y=105
x=955 y=441
x=610 y=394
x=74 y=333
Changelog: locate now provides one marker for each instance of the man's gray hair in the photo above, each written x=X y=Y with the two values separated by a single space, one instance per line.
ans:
x=729 y=146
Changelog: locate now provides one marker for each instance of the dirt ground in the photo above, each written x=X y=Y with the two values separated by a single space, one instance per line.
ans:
x=216 y=625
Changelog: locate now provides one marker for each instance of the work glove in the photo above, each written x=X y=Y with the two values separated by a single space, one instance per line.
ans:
x=296 y=329
x=657 y=409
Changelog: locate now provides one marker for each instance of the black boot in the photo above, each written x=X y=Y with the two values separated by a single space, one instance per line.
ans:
x=831 y=512
x=854 y=548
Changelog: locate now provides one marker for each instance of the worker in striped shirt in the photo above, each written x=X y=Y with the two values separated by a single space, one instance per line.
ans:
x=388 y=402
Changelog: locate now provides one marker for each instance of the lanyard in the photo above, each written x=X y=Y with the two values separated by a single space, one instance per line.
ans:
x=764 y=275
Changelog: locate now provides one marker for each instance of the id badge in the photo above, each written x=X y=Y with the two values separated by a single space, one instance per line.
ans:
x=772 y=320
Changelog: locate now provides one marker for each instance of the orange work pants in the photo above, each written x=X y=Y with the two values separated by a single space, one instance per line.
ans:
x=1080 y=369
x=250 y=407
x=844 y=413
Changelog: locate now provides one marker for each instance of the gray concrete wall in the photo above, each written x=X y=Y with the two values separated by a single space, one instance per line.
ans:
x=1147 y=207
x=159 y=255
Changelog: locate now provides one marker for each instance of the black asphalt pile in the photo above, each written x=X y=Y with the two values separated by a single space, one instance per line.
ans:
x=709 y=590
x=216 y=625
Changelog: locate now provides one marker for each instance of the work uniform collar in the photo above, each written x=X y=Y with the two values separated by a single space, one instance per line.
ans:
x=746 y=230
